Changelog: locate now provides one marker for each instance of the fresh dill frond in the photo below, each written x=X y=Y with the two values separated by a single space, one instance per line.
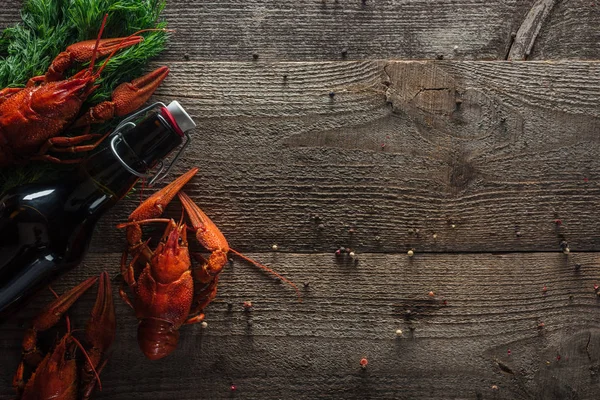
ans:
x=49 y=26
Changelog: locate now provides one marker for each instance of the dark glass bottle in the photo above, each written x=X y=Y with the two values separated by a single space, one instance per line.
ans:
x=45 y=229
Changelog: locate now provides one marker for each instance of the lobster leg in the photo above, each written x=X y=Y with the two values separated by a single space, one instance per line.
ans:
x=52 y=159
x=70 y=142
x=204 y=293
x=50 y=317
x=7 y=92
x=128 y=274
x=126 y=98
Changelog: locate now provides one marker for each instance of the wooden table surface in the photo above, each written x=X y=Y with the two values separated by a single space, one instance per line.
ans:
x=382 y=126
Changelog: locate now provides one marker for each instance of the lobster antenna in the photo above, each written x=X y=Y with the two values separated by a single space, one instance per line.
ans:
x=87 y=357
x=95 y=53
x=182 y=215
x=142 y=222
x=67 y=319
x=97 y=74
x=269 y=270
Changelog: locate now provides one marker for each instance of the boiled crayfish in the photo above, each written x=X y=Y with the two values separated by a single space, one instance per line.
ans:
x=31 y=118
x=57 y=375
x=167 y=291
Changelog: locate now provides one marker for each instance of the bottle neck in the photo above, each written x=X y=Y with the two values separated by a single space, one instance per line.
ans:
x=141 y=148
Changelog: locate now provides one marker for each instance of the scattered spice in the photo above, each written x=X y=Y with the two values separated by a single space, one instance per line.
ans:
x=565 y=247
x=364 y=362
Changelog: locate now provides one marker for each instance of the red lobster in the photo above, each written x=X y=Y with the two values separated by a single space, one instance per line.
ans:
x=167 y=291
x=31 y=118
x=56 y=375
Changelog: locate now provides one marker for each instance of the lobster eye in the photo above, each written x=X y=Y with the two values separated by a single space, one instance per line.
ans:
x=180 y=241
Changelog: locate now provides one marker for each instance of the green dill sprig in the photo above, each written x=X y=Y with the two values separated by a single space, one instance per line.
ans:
x=49 y=26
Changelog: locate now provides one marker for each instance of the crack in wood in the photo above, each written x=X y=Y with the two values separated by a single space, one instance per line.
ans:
x=523 y=41
x=587 y=347
x=430 y=89
x=504 y=368
x=388 y=82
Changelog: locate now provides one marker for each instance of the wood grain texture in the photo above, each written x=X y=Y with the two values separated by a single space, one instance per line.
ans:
x=500 y=150
x=456 y=349
x=310 y=30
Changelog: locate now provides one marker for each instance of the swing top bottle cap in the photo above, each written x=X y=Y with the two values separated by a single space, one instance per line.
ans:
x=181 y=117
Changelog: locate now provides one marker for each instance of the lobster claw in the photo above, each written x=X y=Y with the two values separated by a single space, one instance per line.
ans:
x=153 y=207
x=50 y=317
x=55 y=310
x=126 y=98
x=100 y=333
x=100 y=328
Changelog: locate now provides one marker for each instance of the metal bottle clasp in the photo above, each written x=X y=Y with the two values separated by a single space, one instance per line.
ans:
x=117 y=137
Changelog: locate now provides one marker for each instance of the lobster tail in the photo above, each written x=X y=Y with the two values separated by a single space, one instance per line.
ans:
x=157 y=338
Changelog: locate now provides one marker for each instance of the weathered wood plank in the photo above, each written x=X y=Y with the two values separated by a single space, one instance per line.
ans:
x=332 y=30
x=498 y=150
x=570 y=31
x=10 y=13
x=457 y=349
x=309 y=30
